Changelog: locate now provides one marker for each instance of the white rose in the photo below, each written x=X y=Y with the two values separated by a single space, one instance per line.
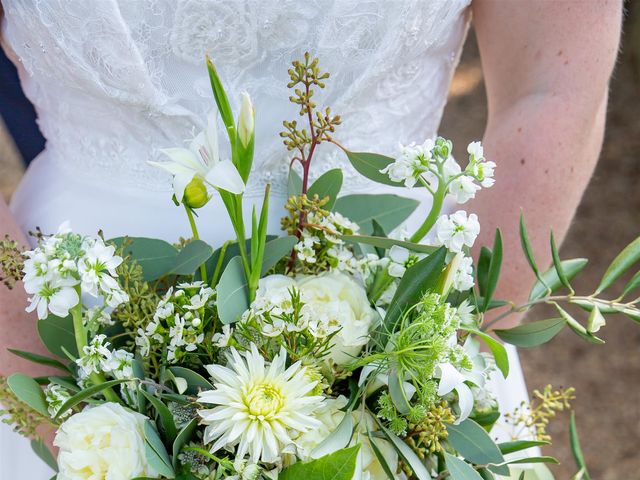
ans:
x=103 y=442
x=339 y=301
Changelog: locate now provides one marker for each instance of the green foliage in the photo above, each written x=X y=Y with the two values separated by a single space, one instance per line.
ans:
x=370 y=165
x=532 y=334
x=156 y=453
x=157 y=258
x=233 y=295
x=417 y=280
x=194 y=254
x=57 y=335
x=27 y=390
x=327 y=186
x=550 y=282
x=459 y=469
x=386 y=209
x=625 y=259
x=576 y=449
x=474 y=443
x=13 y=411
x=339 y=465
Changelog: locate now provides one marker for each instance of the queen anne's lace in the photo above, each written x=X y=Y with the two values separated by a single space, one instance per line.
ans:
x=114 y=81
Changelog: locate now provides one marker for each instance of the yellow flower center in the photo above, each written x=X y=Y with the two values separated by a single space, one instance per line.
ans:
x=264 y=400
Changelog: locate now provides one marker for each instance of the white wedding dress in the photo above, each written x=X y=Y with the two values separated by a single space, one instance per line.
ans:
x=113 y=81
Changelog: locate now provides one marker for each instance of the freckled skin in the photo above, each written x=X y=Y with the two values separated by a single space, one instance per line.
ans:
x=547 y=67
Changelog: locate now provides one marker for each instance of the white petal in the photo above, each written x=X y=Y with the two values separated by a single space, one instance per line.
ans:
x=180 y=156
x=465 y=401
x=212 y=136
x=225 y=176
x=449 y=378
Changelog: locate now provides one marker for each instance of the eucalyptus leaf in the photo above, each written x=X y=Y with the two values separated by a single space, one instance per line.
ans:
x=340 y=465
x=327 y=185
x=195 y=381
x=550 y=278
x=194 y=254
x=387 y=209
x=625 y=259
x=165 y=417
x=532 y=334
x=28 y=391
x=370 y=164
x=57 y=334
x=43 y=452
x=541 y=459
x=459 y=469
x=417 y=280
x=474 y=443
x=156 y=453
x=182 y=438
x=157 y=258
x=380 y=456
x=408 y=455
x=275 y=250
x=294 y=183
x=233 y=297
x=40 y=359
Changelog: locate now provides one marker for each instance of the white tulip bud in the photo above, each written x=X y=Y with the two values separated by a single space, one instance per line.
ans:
x=246 y=120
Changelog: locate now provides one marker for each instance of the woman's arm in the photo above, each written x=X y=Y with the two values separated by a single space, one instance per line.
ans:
x=547 y=66
x=17 y=328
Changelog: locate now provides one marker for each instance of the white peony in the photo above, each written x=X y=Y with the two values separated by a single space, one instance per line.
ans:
x=339 y=301
x=103 y=442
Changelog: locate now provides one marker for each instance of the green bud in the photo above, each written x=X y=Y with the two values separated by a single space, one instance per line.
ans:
x=196 y=194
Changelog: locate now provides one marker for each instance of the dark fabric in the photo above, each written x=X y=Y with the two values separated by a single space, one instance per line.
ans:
x=18 y=113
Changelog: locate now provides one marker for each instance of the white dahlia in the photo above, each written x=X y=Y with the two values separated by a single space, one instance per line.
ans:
x=260 y=407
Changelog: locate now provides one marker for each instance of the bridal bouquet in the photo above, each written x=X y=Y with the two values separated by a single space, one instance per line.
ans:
x=345 y=348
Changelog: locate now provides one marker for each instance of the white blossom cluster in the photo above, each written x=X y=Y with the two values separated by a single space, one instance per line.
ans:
x=96 y=357
x=178 y=321
x=56 y=395
x=431 y=163
x=66 y=265
x=321 y=240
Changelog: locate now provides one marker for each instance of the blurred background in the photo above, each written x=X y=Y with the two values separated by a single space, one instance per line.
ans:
x=606 y=377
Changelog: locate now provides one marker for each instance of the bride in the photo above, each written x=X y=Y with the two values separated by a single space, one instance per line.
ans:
x=114 y=81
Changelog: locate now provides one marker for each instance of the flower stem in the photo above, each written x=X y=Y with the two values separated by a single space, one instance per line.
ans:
x=196 y=236
x=436 y=208
x=80 y=334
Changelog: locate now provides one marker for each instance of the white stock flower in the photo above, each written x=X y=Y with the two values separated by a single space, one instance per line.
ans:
x=202 y=160
x=260 y=407
x=104 y=442
x=463 y=188
x=55 y=396
x=52 y=293
x=463 y=275
x=95 y=356
x=457 y=230
x=412 y=162
x=480 y=168
x=338 y=301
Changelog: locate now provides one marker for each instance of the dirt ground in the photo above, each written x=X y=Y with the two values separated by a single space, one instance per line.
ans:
x=606 y=377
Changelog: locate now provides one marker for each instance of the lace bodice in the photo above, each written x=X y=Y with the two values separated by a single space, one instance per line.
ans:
x=114 y=81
